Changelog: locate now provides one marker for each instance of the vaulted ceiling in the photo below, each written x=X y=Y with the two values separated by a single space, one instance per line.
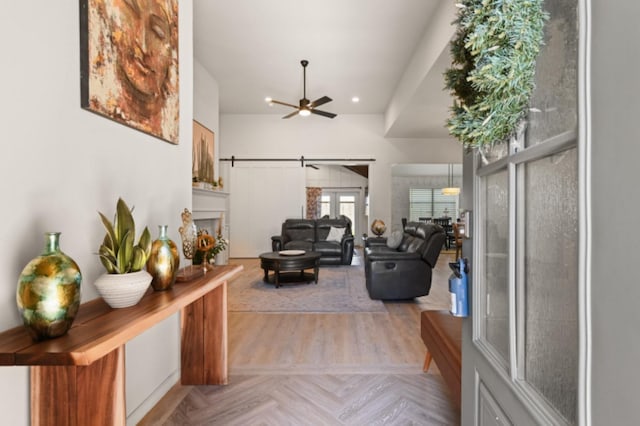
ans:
x=390 y=54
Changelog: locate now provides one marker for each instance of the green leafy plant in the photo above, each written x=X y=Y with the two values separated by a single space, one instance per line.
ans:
x=117 y=252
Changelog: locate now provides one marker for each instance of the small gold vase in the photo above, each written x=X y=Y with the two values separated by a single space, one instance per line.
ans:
x=163 y=262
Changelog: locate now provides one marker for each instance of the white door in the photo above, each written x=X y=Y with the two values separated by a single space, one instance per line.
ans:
x=523 y=346
x=262 y=197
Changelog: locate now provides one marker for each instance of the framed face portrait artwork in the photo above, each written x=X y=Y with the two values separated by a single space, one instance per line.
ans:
x=129 y=63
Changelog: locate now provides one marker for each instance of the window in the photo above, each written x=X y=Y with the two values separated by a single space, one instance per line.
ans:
x=325 y=205
x=430 y=202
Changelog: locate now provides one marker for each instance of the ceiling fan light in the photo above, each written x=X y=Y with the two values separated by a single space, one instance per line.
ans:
x=304 y=112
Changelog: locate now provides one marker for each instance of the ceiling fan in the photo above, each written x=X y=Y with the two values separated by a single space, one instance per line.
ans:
x=306 y=108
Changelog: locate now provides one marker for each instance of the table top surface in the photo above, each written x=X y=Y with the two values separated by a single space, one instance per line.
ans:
x=98 y=328
x=274 y=255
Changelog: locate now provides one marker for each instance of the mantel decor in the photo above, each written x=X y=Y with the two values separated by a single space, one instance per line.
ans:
x=202 y=175
x=129 y=64
x=492 y=76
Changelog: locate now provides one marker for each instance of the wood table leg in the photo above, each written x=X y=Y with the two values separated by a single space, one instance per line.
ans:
x=427 y=362
x=204 y=340
x=80 y=395
x=216 y=337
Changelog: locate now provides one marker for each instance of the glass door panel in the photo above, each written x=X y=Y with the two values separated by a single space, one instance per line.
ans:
x=334 y=204
x=347 y=207
x=553 y=104
x=551 y=279
x=326 y=205
x=495 y=262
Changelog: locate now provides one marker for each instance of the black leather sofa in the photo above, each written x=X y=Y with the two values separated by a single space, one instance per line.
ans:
x=311 y=235
x=404 y=272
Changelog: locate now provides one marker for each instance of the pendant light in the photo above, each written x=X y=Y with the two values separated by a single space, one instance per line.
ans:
x=450 y=189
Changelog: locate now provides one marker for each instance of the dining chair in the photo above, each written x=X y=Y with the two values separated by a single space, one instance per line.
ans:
x=445 y=222
x=458 y=233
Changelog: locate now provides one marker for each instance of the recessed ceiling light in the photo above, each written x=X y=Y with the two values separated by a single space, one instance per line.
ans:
x=355 y=99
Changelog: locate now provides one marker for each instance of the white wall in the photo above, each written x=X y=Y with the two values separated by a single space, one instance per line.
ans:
x=434 y=41
x=205 y=105
x=346 y=136
x=61 y=164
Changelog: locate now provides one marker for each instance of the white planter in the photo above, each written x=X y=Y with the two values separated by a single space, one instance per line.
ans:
x=123 y=290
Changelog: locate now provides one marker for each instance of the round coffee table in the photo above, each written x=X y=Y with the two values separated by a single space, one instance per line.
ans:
x=284 y=266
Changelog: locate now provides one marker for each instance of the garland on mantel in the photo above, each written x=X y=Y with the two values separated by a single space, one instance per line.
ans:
x=492 y=76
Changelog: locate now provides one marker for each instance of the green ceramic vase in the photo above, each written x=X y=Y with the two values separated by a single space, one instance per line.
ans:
x=163 y=261
x=48 y=294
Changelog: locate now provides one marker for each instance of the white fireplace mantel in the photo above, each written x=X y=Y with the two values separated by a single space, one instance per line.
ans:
x=209 y=204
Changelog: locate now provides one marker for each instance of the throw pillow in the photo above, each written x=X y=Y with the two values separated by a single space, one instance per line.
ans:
x=335 y=234
x=394 y=240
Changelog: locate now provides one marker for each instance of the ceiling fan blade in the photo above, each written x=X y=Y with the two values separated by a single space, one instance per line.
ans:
x=323 y=113
x=284 y=103
x=321 y=101
x=292 y=114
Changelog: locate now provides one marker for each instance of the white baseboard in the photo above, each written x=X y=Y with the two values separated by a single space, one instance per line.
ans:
x=151 y=401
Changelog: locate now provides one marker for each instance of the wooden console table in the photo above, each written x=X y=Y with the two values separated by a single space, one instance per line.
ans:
x=79 y=378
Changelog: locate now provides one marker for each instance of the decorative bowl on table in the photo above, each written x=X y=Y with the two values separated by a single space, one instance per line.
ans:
x=291 y=252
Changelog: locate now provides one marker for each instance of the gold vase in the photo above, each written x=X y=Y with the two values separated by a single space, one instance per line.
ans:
x=163 y=262
x=48 y=293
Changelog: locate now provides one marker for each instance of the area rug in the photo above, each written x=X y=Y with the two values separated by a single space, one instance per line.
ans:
x=339 y=289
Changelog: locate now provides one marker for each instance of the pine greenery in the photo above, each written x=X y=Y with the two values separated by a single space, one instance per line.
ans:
x=494 y=56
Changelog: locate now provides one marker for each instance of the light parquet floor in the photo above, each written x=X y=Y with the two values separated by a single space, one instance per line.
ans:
x=322 y=369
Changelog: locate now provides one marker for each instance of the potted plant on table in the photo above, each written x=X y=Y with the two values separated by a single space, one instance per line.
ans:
x=125 y=280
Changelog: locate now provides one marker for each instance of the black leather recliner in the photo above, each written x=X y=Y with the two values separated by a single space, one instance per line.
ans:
x=405 y=272
x=311 y=235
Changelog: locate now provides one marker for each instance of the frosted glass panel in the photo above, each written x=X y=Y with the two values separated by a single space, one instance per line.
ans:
x=496 y=225
x=551 y=279
x=553 y=106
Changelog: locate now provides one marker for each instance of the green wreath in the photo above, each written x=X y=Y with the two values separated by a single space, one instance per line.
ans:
x=492 y=76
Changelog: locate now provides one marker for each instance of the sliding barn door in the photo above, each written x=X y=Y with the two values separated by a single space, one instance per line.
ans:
x=263 y=195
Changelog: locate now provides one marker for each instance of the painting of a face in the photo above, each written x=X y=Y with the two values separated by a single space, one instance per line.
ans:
x=132 y=64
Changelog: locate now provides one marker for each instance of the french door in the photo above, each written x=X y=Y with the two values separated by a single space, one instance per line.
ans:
x=523 y=350
x=338 y=203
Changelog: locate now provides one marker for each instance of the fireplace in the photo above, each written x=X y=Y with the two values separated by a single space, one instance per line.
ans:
x=209 y=212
